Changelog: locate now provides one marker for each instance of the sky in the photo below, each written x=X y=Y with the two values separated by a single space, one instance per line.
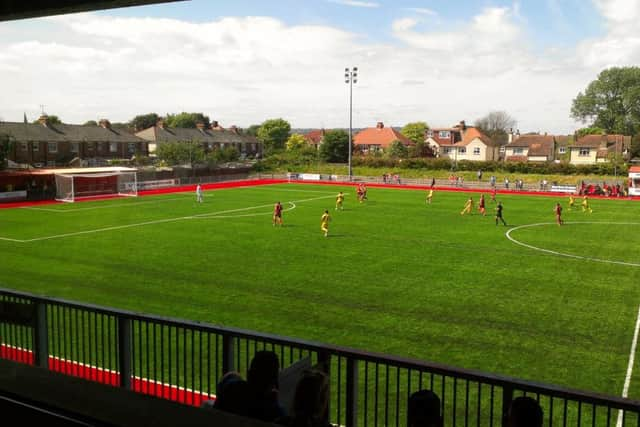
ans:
x=244 y=61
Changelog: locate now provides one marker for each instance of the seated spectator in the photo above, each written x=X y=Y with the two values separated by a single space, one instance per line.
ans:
x=424 y=410
x=310 y=402
x=262 y=378
x=231 y=394
x=524 y=412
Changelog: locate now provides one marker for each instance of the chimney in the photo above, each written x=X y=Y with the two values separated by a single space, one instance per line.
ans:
x=160 y=123
x=233 y=128
x=200 y=126
x=463 y=125
x=104 y=123
x=214 y=125
x=43 y=120
x=379 y=125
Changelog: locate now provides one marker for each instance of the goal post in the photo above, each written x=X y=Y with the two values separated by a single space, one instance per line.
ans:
x=73 y=186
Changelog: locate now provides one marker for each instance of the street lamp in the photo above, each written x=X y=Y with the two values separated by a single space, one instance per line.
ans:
x=350 y=77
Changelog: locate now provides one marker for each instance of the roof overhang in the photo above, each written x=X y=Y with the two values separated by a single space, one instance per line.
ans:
x=23 y=9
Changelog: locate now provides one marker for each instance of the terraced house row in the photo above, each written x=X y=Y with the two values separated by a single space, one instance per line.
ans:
x=47 y=144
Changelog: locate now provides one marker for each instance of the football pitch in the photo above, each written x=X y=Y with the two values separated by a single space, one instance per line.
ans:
x=395 y=275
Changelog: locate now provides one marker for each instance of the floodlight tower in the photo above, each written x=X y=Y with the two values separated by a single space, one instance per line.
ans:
x=350 y=78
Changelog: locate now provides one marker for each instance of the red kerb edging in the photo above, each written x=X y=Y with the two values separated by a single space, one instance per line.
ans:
x=105 y=376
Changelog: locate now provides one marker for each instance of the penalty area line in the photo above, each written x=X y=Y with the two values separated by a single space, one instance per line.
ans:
x=218 y=214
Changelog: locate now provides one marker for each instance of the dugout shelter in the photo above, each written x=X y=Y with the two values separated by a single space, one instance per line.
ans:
x=634 y=181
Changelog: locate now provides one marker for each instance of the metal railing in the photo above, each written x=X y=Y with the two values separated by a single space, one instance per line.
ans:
x=182 y=361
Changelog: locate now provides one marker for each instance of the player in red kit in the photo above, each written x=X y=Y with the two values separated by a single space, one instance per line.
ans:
x=277 y=214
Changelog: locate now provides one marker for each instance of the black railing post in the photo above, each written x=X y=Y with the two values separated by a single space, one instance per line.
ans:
x=41 y=336
x=228 y=354
x=507 y=397
x=124 y=351
x=324 y=365
x=352 y=393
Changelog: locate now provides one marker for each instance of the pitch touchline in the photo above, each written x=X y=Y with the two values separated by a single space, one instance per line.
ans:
x=158 y=221
x=517 y=242
x=632 y=356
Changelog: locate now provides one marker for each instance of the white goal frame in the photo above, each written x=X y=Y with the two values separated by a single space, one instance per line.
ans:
x=74 y=186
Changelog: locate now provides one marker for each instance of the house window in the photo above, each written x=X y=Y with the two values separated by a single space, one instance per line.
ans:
x=429 y=133
x=75 y=147
x=584 y=152
x=36 y=146
x=444 y=134
x=24 y=146
x=476 y=151
x=113 y=147
x=518 y=150
x=53 y=147
x=462 y=150
x=132 y=147
x=447 y=150
x=562 y=150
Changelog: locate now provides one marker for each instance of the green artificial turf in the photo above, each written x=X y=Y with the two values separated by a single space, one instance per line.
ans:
x=395 y=275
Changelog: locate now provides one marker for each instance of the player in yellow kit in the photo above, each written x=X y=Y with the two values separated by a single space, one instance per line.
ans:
x=430 y=196
x=324 y=222
x=571 y=202
x=467 y=207
x=585 y=205
x=339 y=201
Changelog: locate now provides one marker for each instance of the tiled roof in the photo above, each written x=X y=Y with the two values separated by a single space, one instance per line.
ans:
x=538 y=145
x=165 y=134
x=64 y=133
x=315 y=136
x=382 y=136
x=603 y=140
x=528 y=140
x=472 y=133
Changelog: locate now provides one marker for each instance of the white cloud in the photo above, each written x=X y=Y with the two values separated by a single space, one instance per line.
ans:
x=422 y=11
x=243 y=70
x=355 y=3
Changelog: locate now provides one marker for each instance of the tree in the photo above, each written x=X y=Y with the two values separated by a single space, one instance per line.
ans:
x=187 y=120
x=496 y=125
x=90 y=123
x=590 y=131
x=175 y=153
x=415 y=131
x=273 y=134
x=144 y=121
x=612 y=101
x=296 y=142
x=398 y=150
x=421 y=149
x=252 y=130
x=5 y=149
x=335 y=146
x=635 y=146
x=52 y=120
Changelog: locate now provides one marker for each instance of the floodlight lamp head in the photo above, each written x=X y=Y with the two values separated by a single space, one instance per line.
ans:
x=346 y=70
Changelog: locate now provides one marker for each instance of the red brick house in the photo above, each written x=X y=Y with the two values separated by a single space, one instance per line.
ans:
x=379 y=138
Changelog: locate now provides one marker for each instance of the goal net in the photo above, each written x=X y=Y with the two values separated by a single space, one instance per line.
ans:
x=71 y=187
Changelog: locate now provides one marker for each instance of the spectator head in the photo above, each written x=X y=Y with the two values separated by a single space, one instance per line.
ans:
x=311 y=399
x=424 y=410
x=264 y=370
x=231 y=393
x=524 y=412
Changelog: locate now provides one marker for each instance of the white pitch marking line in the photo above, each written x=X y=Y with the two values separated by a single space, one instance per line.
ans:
x=517 y=242
x=158 y=221
x=632 y=356
x=31 y=208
